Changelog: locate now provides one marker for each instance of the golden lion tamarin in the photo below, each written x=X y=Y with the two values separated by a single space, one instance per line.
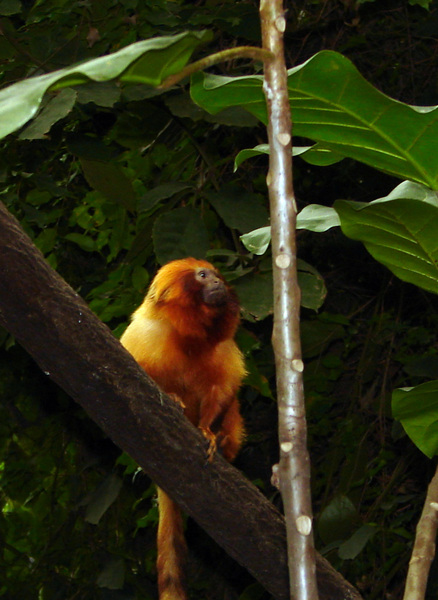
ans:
x=183 y=337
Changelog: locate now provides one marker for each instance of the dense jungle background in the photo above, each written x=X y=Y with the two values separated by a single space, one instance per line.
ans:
x=112 y=181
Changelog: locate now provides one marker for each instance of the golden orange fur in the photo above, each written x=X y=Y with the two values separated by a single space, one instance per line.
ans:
x=183 y=336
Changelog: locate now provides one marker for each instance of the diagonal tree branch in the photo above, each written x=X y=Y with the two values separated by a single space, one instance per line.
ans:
x=79 y=352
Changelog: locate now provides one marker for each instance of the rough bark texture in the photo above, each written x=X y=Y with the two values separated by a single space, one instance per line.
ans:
x=79 y=352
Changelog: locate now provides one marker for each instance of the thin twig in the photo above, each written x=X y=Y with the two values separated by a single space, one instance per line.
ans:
x=218 y=57
x=424 y=546
x=294 y=467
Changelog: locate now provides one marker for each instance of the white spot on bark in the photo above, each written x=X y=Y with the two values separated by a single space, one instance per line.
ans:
x=283 y=138
x=280 y=24
x=286 y=447
x=298 y=365
x=304 y=525
x=282 y=261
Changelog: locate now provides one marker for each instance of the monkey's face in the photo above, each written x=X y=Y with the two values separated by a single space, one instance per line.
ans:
x=213 y=290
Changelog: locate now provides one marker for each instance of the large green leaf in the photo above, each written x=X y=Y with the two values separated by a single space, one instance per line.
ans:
x=417 y=410
x=109 y=179
x=239 y=210
x=147 y=62
x=180 y=233
x=335 y=106
x=337 y=520
x=255 y=290
x=399 y=231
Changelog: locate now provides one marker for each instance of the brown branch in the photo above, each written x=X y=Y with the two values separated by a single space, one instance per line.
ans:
x=424 y=547
x=216 y=58
x=79 y=352
x=294 y=467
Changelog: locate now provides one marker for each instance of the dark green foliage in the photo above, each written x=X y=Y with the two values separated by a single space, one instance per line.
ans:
x=127 y=178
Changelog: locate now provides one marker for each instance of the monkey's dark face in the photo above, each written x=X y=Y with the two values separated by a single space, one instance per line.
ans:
x=213 y=290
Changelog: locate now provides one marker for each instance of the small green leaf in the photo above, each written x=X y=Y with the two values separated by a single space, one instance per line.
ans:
x=255 y=291
x=161 y=192
x=316 y=336
x=261 y=149
x=315 y=217
x=253 y=592
x=313 y=290
x=112 y=575
x=257 y=241
x=83 y=241
x=314 y=155
x=37 y=197
x=102 y=94
x=424 y=3
x=140 y=278
x=411 y=191
x=357 y=542
x=255 y=294
x=337 y=519
x=57 y=108
x=102 y=498
x=319 y=155
x=46 y=240
x=255 y=378
x=417 y=410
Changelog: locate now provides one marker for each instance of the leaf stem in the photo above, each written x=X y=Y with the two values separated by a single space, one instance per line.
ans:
x=216 y=58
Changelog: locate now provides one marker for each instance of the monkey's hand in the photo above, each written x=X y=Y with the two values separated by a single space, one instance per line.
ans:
x=212 y=442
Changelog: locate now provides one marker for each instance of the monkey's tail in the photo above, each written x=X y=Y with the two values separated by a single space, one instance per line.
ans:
x=172 y=550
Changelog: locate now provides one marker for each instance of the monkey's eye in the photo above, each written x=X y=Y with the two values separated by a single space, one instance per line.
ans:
x=202 y=274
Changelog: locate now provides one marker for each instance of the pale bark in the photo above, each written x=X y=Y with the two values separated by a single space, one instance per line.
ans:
x=424 y=547
x=294 y=468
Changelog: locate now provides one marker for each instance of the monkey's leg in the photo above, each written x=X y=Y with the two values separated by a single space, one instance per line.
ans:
x=231 y=433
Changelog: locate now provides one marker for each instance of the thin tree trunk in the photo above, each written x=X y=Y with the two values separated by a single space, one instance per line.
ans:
x=294 y=467
x=424 y=547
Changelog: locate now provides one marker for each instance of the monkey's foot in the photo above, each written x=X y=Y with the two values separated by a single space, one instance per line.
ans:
x=228 y=447
x=177 y=400
x=212 y=442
